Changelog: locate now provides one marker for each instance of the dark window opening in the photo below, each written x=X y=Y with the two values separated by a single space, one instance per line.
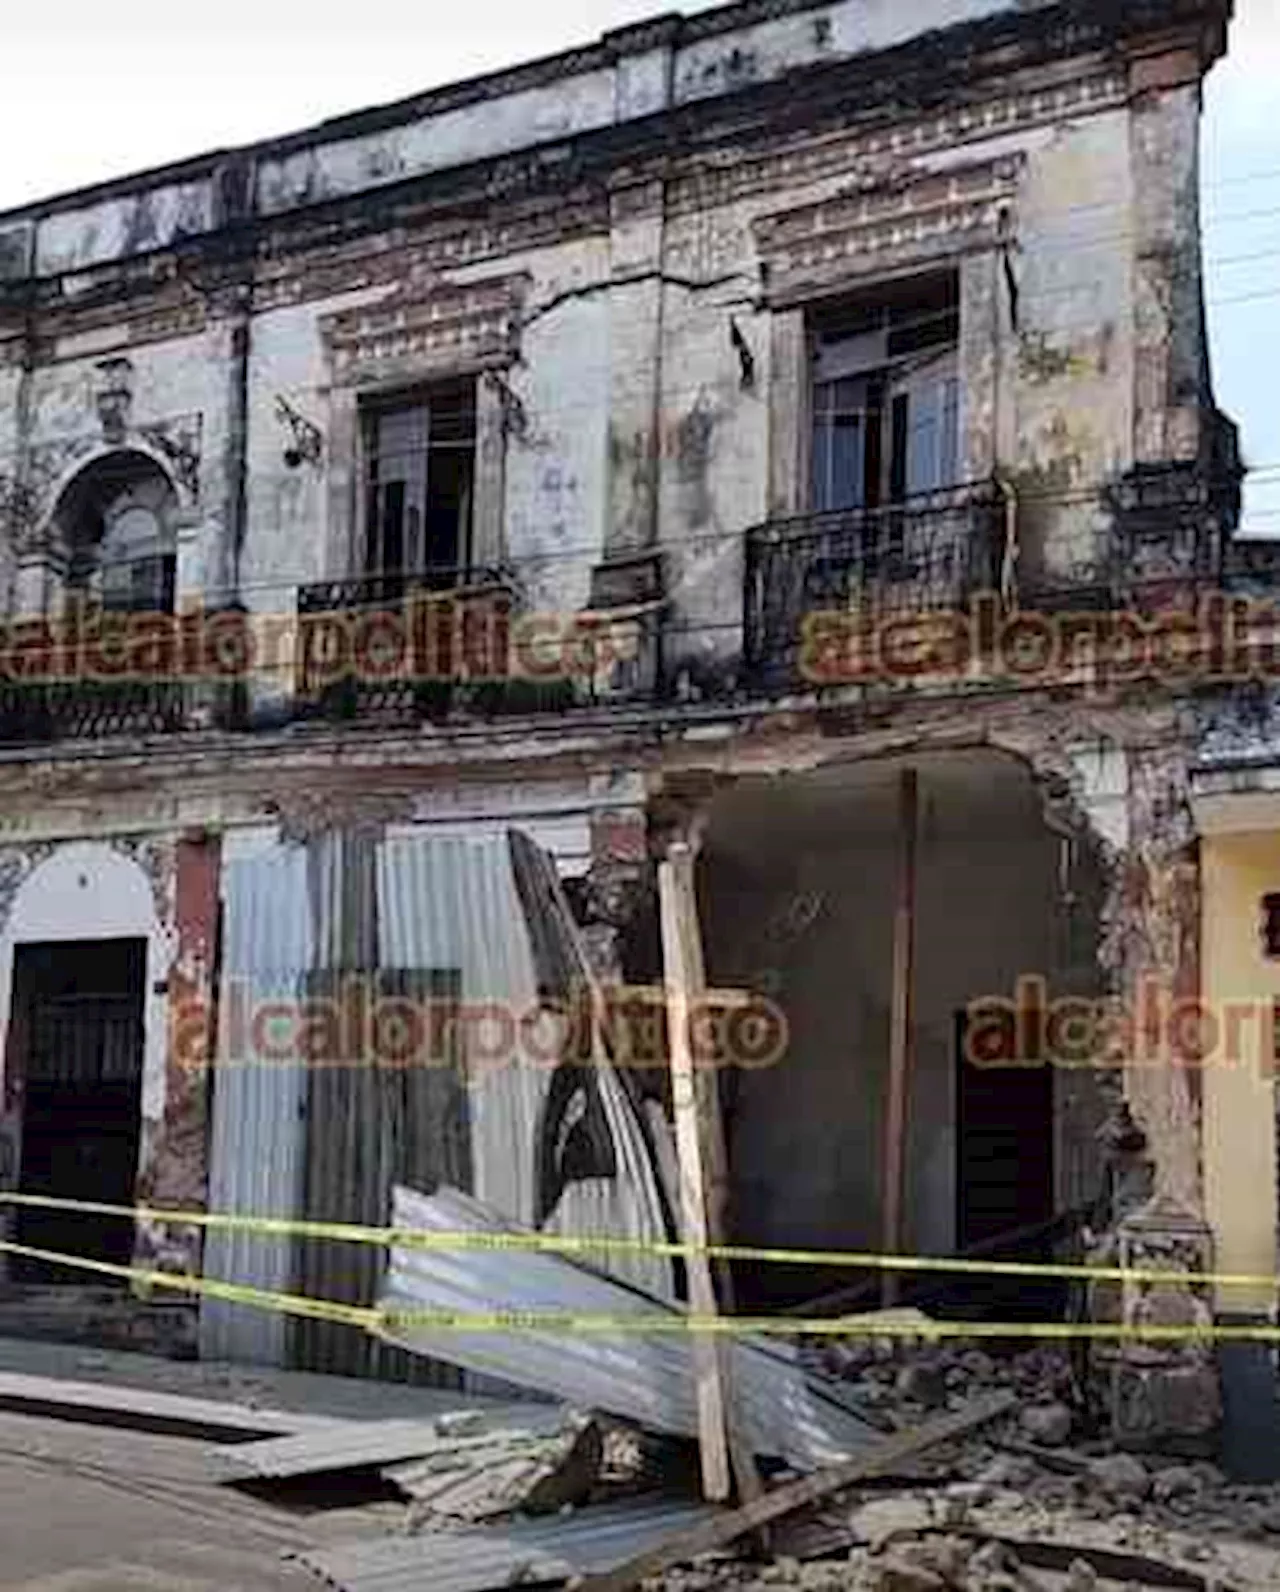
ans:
x=420 y=485
x=885 y=396
x=76 y=1049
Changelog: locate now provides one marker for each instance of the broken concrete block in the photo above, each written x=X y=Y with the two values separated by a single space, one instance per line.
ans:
x=1047 y=1424
x=1120 y=1477
x=922 y=1384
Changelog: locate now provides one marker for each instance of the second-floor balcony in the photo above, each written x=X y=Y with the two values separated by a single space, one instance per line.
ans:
x=419 y=648
x=454 y=645
x=37 y=711
x=934 y=552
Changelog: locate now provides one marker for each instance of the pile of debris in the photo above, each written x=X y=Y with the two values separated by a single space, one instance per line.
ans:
x=1051 y=1453
x=892 y=1463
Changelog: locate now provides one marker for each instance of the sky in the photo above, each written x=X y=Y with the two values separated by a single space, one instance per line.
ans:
x=89 y=91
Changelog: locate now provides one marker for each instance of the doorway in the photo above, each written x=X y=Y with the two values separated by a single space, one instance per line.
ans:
x=1004 y=1175
x=77 y=1044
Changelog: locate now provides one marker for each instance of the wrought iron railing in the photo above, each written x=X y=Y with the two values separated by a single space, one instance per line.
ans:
x=406 y=648
x=936 y=551
x=32 y=712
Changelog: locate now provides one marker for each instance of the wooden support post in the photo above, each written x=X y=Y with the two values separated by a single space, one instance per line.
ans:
x=706 y=1087
x=674 y=879
x=901 y=1033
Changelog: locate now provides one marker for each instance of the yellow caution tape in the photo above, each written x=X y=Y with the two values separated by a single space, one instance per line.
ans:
x=185 y=1282
x=390 y=1322
x=410 y=1238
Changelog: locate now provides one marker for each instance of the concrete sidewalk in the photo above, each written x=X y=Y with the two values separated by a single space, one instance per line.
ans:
x=256 y=1387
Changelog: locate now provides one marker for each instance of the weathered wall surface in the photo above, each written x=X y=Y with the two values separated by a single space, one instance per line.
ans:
x=632 y=295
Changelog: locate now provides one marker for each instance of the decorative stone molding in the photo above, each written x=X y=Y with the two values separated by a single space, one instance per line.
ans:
x=441 y=330
x=113 y=397
x=303 y=814
x=18 y=514
x=722 y=179
x=156 y=856
x=175 y=442
x=178 y=441
x=432 y=248
x=1165 y=1395
x=884 y=225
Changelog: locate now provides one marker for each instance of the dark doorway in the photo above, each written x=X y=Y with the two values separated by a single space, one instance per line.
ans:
x=78 y=1040
x=1004 y=1172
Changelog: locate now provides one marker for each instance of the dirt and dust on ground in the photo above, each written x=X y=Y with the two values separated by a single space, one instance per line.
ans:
x=1037 y=1502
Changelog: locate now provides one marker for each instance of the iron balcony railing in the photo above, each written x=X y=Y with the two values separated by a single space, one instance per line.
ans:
x=409 y=648
x=33 y=712
x=935 y=551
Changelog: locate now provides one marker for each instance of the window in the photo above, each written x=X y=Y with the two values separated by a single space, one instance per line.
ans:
x=886 y=398
x=137 y=569
x=117 y=520
x=419 y=485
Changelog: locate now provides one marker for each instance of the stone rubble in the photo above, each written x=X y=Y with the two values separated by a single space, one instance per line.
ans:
x=1043 y=1476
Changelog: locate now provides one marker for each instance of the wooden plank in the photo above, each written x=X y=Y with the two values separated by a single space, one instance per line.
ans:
x=796 y=1495
x=901 y=1037
x=712 y=1428
x=706 y=1083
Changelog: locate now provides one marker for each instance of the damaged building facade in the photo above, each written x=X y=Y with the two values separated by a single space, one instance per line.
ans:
x=627 y=380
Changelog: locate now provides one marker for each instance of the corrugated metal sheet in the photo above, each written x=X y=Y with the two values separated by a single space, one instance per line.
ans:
x=483 y=1559
x=256 y=1163
x=454 y=903
x=370 y=1124
x=289 y=1139
x=645 y=1377
x=359 y=1445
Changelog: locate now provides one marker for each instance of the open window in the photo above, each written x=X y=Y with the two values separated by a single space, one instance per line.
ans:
x=885 y=396
x=420 y=455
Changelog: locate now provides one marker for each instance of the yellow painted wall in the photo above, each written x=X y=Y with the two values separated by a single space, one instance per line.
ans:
x=1239 y=1099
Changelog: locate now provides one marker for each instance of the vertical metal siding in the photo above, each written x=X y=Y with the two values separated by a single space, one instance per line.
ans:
x=369 y=1125
x=257 y=1152
x=451 y=902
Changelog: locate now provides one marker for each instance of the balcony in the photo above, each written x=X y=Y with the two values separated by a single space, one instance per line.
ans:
x=934 y=552
x=427 y=649
x=37 y=712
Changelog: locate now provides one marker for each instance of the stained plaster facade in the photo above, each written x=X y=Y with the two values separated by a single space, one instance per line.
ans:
x=622 y=245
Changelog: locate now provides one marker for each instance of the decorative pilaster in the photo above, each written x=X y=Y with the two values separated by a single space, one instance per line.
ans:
x=175 y=1171
x=1167 y=1392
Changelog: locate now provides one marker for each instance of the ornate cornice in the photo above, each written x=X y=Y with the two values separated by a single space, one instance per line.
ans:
x=910 y=218
x=425 y=331
x=727 y=176
x=313 y=258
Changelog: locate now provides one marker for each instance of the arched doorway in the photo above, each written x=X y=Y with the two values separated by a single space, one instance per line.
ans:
x=82 y=963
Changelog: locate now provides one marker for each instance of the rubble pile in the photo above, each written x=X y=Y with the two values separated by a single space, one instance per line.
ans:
x=1038 y=1502
x=1050 y=1455
x=938 y=1564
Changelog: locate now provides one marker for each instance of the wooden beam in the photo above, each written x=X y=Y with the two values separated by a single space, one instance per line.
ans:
x=679 y=975
x=901 y=1033
x=706 y=1086
x=878 y=1460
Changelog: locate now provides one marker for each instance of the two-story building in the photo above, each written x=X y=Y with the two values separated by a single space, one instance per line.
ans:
x=574 y=451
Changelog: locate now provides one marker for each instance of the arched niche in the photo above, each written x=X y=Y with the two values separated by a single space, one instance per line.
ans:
x=114 y=526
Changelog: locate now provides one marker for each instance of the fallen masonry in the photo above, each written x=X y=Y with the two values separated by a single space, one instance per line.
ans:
x=967 y=1466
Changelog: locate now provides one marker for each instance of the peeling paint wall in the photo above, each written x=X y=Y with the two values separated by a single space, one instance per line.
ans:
x=631 y=294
